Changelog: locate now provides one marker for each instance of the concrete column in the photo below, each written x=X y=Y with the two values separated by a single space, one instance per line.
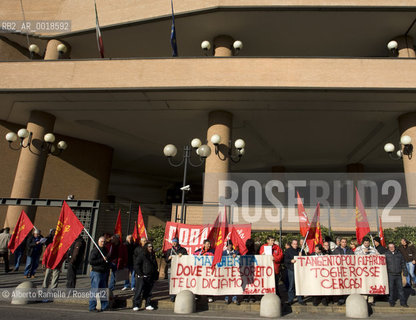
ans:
x=216 y=168
x=223 y=46
x=407 y=126
x=31 y=166
x=52 y=52
x=405 y=47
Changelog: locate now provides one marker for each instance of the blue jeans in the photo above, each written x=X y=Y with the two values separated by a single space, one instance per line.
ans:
x=18 y=254
x=112 y=284
x=234 y=298
x=411 y=273
x=291 y=291
x=133 y=279
x=32 y=263
x=98 y=281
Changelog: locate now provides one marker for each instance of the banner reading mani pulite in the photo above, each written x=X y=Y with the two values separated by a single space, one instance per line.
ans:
x=341 y=275
x=232 y=276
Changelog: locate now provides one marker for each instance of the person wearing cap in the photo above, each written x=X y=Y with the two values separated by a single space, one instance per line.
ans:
x=34 y=251
x=378 y=246
x=175 y=250
x=230 y=251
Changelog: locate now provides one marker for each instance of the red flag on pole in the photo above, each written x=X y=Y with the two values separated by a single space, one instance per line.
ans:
x=303 y=218
x=21 y=230
x=117 y=228
x=381 y=234
x=135 y=234
x=100 y=43
x=238 y=242
x=315 y=235
x=361 y=223
x=141 y=226
x=67 y=230
x=218 y=235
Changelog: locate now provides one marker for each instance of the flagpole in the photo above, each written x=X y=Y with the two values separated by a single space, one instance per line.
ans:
x=96 y=245
x=372 y=240
x=304 y=240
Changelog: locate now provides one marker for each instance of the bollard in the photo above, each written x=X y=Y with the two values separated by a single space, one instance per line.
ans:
x=270 y=306
x=356 y=307
x=21 y=292
x=184 y=302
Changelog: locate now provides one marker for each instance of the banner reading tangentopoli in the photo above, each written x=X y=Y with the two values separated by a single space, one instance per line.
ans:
x=232 y=276
x=341 y=275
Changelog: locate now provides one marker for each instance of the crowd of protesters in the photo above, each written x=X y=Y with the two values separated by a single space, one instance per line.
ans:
x=138 y=259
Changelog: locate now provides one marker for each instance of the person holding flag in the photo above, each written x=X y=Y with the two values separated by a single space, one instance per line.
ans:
x=378 y=246
x=289 y=261
x=34 y=251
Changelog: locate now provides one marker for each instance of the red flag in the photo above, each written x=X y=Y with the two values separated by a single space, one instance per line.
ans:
x=135 y=234
x=117 y=228
x=21 y=230
x=303 y=218
x=361 y=223
x=98 y=33
x=67 y=230
x=141 y=226
x=315 y=235
x=381 y=234
x=238 y=242
x=218 y=232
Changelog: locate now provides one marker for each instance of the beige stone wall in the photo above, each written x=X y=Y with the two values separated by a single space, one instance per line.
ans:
x=81 y=12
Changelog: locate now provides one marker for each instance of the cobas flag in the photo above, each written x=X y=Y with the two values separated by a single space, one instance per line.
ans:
x=67 y=230
x=21 y=230
x=303 y=218
x=361 y=222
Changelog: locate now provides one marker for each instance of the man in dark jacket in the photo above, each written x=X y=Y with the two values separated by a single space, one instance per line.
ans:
x=99 y=271
x=176 y=250
x=395 y=266
x=130 y=246
x=378 y=246
x=409 y=254
x=342 y=249
x=289 y=260
x=74 y=260
x=34 y=250
x=146 y=268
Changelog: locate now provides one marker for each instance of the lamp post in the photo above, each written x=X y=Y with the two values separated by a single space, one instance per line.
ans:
x=202 y=150
x=405 y=148
x=25 y=137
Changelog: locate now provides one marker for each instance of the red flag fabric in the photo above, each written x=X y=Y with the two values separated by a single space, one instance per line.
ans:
x=361 y=223
x=303 y=218
x=100 y=43
x=140 y=224
x=117 y=228
x=238 y=242
x=219 y=236
x=67 y=230
x=315 y=234
x=135 y=234
x=381 y=234
x=20 y=231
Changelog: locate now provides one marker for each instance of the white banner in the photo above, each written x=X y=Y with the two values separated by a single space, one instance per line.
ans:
x=232 y=276
x=341 y=275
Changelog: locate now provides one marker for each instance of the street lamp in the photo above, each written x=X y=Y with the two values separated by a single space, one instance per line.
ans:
x=26 y=136
x=405 y=148
x=235 y=154
x=202 y=150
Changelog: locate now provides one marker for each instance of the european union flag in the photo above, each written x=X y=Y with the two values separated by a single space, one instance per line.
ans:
x=173 y=34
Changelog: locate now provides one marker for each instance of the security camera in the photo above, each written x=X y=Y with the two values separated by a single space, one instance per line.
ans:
x=186 y=188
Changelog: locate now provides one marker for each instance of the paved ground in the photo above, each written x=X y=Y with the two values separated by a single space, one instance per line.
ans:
x=123 y=305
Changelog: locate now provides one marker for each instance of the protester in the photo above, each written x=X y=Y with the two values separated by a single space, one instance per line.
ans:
x=18 y=254
x=49 y=237
x=206 y=251
x=176 y=250
x=34 y=250
x=146 y=268
x=337 y=242
x=113 y=248
x=277 y=254
x=229 y=251
x=51 y=273
x=378 y=246
x=251 y=249
x=332 y=244
x=365 y=249
x=74 y=260
x=326 y=248
x=343 y=249
x=409 y=253
x=317 y=299
x=130 y=246
x=289 y=260
x=4 y=250
x=98 y=274
x=395 y=266
x=353 y=245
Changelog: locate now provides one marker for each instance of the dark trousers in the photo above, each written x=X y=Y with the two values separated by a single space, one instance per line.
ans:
x=276 y=283
x=291 y=291
x=71 y=276
x=143 y=290
x=5 y=256
x=395 y=286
